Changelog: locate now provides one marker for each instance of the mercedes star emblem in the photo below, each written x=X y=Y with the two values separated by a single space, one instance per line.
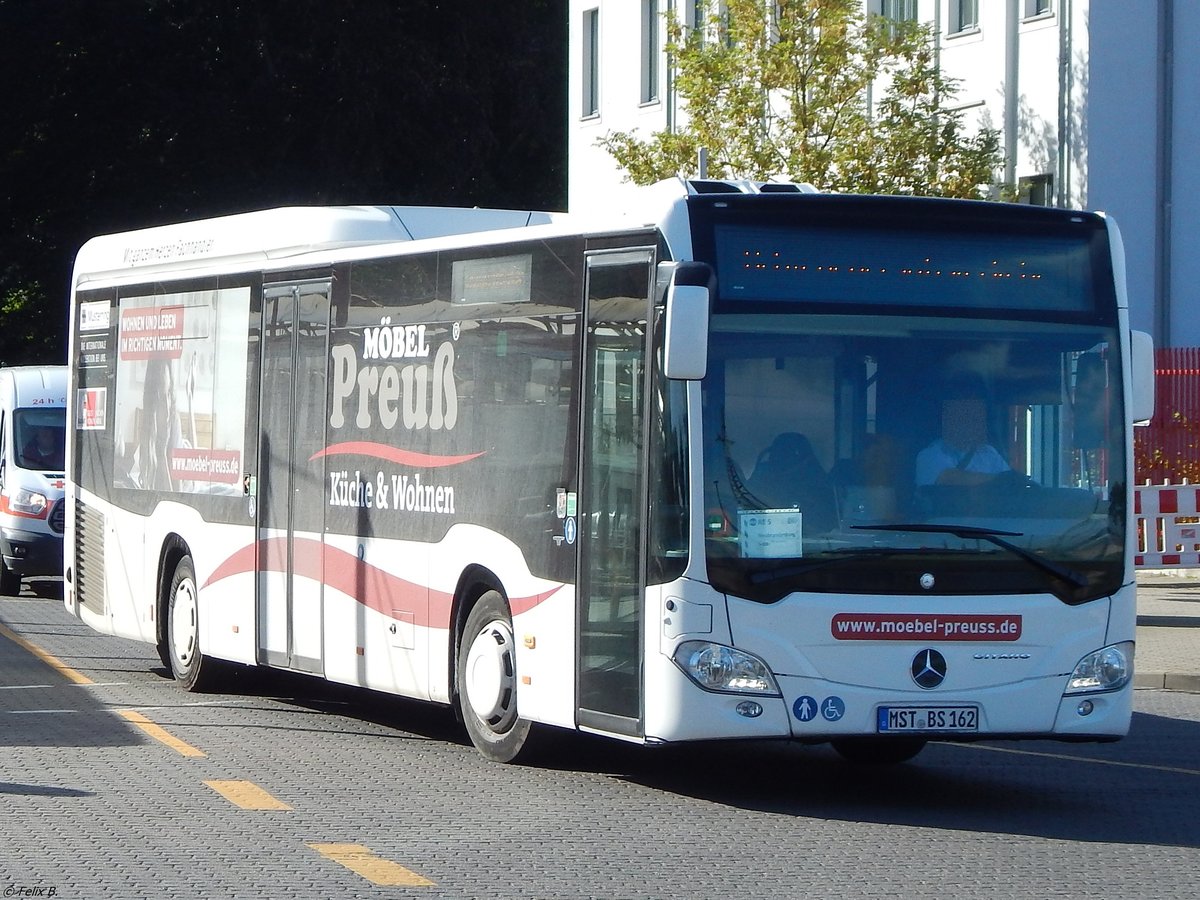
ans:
x=928 y=669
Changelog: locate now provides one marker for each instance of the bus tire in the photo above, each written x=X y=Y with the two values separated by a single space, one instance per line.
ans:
x=163 y=647
x=878 y=751
x=192 y=670
x=487 y=681
x=10 y=581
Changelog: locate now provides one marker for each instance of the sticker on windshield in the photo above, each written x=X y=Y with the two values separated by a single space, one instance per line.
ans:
x=771 y=533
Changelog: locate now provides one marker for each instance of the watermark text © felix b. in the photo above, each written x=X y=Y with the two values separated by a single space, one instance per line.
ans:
x=30 y=890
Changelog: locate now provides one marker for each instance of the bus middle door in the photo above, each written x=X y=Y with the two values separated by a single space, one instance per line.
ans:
x=295 y=329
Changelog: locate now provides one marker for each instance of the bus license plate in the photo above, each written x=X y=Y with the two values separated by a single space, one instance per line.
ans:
x=894 y=719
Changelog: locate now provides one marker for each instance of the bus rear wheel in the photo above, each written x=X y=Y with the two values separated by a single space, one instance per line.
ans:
x=192 y=670
x=487 y=681
x=878 y=751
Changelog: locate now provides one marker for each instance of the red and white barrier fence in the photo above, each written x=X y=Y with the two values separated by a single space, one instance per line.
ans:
x=1168 y=526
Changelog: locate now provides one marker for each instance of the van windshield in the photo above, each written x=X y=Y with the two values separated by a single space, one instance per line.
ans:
x=39 y=435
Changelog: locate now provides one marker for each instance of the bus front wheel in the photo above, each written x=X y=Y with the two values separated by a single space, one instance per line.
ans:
x=487 y=681
x=188 y=664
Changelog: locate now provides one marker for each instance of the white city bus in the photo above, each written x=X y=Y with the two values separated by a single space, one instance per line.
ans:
x=669 y=476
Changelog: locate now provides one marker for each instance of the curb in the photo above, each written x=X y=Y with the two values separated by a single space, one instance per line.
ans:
x=1167 y=681
x=1168 y=622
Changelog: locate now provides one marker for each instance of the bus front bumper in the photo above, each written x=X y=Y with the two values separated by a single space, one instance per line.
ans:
x=1036 y=708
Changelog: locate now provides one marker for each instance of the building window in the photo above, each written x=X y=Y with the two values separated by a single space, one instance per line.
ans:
x=650 y=50
x=894 y=12
x=898 y=10
x=696 y=17
x=1036 y=190
x=1035 y=8
x=964 y=16
x=591 y=62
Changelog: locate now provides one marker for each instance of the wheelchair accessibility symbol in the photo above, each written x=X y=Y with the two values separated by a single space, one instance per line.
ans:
x=833 y=708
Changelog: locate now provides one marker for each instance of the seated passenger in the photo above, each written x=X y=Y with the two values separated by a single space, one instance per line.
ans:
x=868 y=482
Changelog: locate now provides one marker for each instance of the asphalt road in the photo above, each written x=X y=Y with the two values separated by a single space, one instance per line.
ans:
x=115 y=783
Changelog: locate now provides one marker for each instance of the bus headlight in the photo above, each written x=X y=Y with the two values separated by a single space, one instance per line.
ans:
x=716 y=667
x=1106 y=669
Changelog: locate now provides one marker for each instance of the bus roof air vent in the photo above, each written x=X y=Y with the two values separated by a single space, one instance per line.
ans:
x=704 y=186
x=787 y=187
x=711 y=186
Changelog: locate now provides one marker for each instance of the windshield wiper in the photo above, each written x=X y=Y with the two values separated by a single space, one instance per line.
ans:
x=992 y=537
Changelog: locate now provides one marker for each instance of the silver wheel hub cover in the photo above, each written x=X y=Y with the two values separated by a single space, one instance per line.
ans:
x=183 y=623
x=490 y=672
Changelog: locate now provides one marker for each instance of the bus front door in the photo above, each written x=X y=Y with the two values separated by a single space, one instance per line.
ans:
x=295 y=327
x=613 y=498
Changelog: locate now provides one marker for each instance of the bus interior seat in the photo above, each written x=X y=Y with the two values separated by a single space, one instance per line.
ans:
x=788 y=474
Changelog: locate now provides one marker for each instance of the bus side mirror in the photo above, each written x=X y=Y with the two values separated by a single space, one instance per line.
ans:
x=685 y=343
x=1141 y=376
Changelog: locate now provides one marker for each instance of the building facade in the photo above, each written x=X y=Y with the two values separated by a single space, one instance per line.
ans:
x=1091 y=98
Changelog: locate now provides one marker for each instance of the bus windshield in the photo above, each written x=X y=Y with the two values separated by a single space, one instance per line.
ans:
x=912 y=455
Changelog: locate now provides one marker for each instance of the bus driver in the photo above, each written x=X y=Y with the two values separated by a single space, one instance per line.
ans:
x=962 y=455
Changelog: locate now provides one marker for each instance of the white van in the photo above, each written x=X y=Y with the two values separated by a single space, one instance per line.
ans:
x=33 y=408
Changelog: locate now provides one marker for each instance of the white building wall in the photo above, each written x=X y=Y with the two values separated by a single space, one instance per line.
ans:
x=975 y=60
x=1075 y=47
x=1037 y=92
x=593 y=178
x=1144 y=130
x=1122 y=115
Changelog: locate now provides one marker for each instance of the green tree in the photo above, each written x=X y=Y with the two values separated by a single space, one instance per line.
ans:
x=818 y=92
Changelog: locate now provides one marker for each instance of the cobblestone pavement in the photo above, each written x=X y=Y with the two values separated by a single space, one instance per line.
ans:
x=102 y=795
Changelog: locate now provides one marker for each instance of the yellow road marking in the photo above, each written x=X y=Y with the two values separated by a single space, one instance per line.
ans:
x=375 y=869
x=159 y=733
x=1066 y=757
x=246 y=794
x=58 y=665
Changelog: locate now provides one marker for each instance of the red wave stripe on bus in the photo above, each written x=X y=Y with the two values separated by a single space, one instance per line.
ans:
x=369 y=585
x=393 y=454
